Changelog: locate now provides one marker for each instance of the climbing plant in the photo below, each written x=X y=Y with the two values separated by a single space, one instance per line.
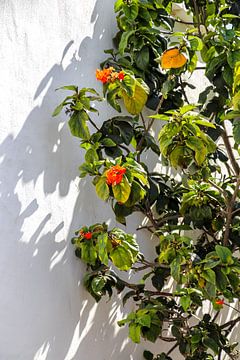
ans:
x=195 y=215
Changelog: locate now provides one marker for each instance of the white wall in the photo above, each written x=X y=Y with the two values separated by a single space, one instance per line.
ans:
x=45 y=312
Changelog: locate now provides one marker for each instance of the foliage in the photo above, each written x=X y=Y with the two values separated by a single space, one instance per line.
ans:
x=195 y=215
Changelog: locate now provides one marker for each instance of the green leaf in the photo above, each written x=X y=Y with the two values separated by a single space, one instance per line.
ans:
x=236 y=82
x=98 y=284
x=122 y=190
x=198 y=147
x=142 y=58
x=58 y=109
x=160 y=117
x=124 y=40
x=131 y=11
x=136 y=195
x=205 y=123
x=228 y=75
x=68 y=87
x=195 y=43
x=135 y=332
x=186 y=108
x=221 y=280
x=147 y=355
x=102 y=188
x=78 y=125
x=185 y=302
x=233 y=57
x=176 y=157
x=236 y=131
x=144 y=320
x=102 y=248
x=88 y=252
x=108 y=142
x=135 y=103
x=121 y=258
x=118 y=5
x=128 y=84
x=91 y=156
x=209 y=275
x=224 y=254
x=210 y=343
x=175 y=268
x=112 y=96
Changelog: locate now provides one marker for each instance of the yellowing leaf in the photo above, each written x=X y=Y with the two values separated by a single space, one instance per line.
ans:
x=134 y=104
x=172 y=59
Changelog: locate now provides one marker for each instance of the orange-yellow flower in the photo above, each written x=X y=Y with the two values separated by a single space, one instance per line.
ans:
x=104 y=75
x=109 y=75
x=115 y=174
x=219 y=302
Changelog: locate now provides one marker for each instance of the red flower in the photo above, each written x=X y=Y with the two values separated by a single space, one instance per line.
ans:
x=121 y=75
x=88 y=235
x=219 y=302
x=115 y=174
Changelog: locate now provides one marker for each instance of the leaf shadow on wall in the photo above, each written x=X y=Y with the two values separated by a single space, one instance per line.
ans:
x=49 y=314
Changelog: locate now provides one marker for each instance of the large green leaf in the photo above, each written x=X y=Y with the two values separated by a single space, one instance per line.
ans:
x=224 y=254
x=102 y=188
x=78 y=125
x=198 y=147
x=122 y=190
x=124 y=40
x=88 y=252
x=102 y=248
x=135 y=332
x=142 y=58
x=185 y=302
x=134 y=104
x=121 y=258
x=236 y=131
x=177 y=156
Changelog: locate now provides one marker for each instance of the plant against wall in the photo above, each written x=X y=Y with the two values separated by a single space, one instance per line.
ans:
x=196 y=216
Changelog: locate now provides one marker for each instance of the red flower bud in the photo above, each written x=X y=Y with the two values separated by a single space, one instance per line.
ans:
x=88 y=235
x=219 y=302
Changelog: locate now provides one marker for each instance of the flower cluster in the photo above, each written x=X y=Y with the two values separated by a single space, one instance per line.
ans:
x=115 y=174
x=109 y=75
x=85 y=235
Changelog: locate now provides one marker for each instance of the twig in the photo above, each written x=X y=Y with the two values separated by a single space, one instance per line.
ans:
x=229 y=150
x=230 y=212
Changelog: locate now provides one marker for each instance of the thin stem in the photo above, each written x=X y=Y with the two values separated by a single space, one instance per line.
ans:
x=198 y=18
x=229 y=150
x=230 y=323
x=183 y=90
x=230 y=212
x=139 y=146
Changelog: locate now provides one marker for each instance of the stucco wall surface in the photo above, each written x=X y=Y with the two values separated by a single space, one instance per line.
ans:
x=45 y=312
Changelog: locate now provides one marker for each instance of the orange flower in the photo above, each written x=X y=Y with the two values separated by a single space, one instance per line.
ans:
x=115 y=174
x=109 y=75
x=219 y=302
x=88 y=235
x=104 y=75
